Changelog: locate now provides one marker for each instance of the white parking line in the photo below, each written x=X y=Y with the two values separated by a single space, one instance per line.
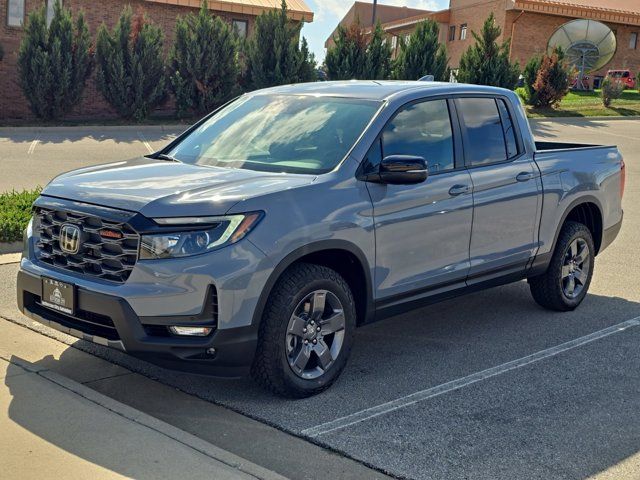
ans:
x=32 y=147
x=422 y=395
x=145 y=143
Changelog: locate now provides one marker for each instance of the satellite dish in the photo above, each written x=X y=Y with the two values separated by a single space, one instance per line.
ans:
x=588 y=45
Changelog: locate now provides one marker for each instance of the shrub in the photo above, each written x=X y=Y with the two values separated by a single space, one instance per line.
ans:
x=423 y=55
x=131 y=71
x=551 y=81
x=54 y=62
x=204 y=62
x=377 y=62
x=611 y=90
x=15 y=212
x=273 y=53
x=486 y=62
x=530 y=75
x=346 y=59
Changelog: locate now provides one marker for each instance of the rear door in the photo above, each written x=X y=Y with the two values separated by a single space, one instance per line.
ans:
x=422 y=231
x=506 y=188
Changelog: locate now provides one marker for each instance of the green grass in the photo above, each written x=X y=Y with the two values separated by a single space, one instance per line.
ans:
x=589 y=104
x=15 y=212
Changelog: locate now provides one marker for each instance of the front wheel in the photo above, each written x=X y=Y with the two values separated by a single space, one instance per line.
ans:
x=565 y=283
x=306 y=332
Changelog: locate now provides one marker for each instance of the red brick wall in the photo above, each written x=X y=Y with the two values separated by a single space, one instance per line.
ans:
x=12 y=103
x=532 y=32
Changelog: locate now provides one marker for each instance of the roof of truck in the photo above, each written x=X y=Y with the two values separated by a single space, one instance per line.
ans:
x=372 y=89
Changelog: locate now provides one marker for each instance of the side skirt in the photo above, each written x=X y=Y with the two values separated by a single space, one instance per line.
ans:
x=397 y=304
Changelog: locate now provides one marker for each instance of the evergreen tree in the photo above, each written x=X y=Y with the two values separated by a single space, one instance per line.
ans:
x=346 y=59
x=530 y=74
x=377 y=63
x=131 y=71
x=54 y=62
x=423 y=55
x=273 y=53
x=204 y=62
x=552 y=80
x=486 y=62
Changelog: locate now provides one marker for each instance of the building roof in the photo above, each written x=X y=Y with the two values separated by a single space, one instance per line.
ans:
x=363 y=13
x=612 y=11
x=623 y=6
x=298 y=9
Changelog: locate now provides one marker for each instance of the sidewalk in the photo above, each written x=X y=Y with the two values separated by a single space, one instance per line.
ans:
x=54 y=427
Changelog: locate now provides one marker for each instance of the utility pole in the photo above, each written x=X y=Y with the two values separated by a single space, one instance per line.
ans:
x=375 y=5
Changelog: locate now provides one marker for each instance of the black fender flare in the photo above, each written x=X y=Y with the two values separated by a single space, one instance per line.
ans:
x=541 y=262
x=305 y=250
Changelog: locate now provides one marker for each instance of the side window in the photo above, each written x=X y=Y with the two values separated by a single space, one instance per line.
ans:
x=509 y=130
x=485 y=141
x=424 y=130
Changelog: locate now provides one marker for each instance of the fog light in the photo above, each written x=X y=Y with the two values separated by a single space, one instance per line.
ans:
x=191 y=331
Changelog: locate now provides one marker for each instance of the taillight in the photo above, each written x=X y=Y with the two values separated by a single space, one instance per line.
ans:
x=623 y=178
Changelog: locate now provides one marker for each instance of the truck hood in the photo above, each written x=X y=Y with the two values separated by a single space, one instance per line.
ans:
x=158 y=188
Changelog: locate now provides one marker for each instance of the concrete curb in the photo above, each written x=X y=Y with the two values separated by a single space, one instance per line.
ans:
x=133 y=415
x=10 y=247
x=92 y=128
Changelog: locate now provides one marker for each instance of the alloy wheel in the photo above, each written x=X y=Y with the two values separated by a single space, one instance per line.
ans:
x=575 y=268
x=315 y=334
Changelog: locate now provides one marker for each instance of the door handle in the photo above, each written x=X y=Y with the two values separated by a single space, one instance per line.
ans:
x=525 y=176
x=459 y=190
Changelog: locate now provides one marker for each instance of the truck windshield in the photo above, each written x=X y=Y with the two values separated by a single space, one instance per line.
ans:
x=276 y=133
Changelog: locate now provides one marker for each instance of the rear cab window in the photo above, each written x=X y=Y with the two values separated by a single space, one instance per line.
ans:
x=488 y=130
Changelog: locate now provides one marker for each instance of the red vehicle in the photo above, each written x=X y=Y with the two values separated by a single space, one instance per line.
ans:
x=623 y=76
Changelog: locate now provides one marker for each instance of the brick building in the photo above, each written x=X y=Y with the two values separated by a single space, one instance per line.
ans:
x=528 y=24
x=13 y=15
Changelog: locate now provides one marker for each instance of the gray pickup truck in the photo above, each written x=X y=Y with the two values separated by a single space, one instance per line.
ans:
x=260 y=238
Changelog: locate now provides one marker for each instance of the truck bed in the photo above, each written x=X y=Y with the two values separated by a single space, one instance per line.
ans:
x=555 y=146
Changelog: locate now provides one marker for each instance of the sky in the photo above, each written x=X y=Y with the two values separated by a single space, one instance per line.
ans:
x=328 y=14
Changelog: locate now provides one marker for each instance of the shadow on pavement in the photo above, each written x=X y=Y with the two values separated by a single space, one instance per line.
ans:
x=574 y=430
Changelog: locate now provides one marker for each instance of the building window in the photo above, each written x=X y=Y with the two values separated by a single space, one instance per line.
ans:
x=463 y=31
x=15 y=13
x=50 y=10
x=452 y=33
x=241 y=27
x=633 y=41
x=394 y=43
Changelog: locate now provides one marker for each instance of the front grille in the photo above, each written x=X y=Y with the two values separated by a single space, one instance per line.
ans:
x=109 y=249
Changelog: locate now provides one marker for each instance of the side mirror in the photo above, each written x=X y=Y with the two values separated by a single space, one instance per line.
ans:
x=403 y=170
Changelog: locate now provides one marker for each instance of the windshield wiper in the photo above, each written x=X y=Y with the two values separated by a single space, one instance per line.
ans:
x=164 y=156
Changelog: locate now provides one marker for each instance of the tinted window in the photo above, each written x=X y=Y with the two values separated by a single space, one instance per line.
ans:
x=423 y=130
x=485 y=140
x=509 y=130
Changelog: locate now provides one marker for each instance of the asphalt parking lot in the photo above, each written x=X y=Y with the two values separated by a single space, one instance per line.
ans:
x=487 y=386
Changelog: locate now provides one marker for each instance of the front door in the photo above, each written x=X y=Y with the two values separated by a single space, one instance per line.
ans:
x=506 y=189
x=422 y=231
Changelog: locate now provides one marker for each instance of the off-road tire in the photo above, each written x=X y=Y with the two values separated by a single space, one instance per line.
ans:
x=270 y=367
x=547 y=289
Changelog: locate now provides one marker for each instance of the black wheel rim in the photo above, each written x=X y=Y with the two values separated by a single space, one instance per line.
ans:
x=575 y=268
x=315 y=334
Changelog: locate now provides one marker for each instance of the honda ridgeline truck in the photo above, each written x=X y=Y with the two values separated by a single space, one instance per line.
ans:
x=261 y=237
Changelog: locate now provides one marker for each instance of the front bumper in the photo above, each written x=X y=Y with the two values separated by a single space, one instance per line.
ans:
x=110 y=321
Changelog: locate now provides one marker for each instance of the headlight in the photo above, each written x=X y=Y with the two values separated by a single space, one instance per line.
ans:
x=214 y=232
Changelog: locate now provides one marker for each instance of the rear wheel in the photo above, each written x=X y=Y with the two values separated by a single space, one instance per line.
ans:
x=306 y=333
x=565 y=283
